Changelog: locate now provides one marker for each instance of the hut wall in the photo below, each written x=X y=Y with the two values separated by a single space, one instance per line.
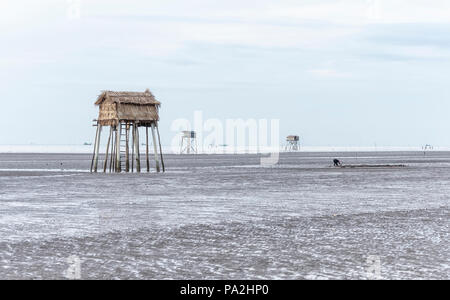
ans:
x=137 y=112
x=108 y=114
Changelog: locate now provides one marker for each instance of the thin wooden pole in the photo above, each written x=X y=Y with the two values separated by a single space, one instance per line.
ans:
x=146 y=149
x=95 y=148
x=155 y=148
x=196 y=145
x=105 y=164
x=118 y=133
x=127 y=148
x=189 y=145
x=138 y=155
x=113 y=146
x=181 y=144
x=133 y=149
x=160 y=148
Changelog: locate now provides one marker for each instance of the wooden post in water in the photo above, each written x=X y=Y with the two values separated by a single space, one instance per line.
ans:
x=118 y=133
x=155 y=148
x=105 y=164
x=127 y=148
x=138 y=154
x=97 y=148
x=146 y=149
x=160 y=149
x=133 y=150
x=113 y=149
x=189 y=145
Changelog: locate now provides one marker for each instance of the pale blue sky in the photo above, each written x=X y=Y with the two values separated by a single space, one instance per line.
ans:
x=341 y=73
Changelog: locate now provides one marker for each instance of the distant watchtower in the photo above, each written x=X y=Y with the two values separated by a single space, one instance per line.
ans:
x=293 y=143
x=188 y=142
x=124 y=113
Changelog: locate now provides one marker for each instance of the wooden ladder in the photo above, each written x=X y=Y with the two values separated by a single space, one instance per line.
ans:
x=123 y=146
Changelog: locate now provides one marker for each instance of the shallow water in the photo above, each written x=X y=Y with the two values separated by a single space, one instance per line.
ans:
x=227 y=217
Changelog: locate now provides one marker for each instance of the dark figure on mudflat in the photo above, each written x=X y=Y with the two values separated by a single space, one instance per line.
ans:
x=337 y=162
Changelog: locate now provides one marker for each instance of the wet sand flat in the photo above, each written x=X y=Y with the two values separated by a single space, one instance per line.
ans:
x=227 y=217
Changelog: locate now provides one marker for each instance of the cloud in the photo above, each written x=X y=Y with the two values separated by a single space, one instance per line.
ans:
x=415 y=52
x=366 y=11
x=163 y=30
x=328 y=73
x=21 y=14
x=399 y=42
x=330 y=11
x=435 y=35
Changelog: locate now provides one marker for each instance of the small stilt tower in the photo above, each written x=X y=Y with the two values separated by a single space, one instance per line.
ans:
x=188 y=142
x=293 y=143
x=125 y=113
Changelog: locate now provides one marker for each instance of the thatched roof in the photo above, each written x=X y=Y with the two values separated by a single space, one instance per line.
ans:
x=136 y=98
x=293 y=138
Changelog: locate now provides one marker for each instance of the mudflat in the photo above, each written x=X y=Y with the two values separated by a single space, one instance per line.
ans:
x=227 y=217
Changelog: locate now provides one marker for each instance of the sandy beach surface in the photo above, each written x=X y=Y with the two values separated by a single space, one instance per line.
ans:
x=227 y=217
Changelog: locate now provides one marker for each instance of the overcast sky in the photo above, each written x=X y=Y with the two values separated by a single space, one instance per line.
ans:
x=341 y=73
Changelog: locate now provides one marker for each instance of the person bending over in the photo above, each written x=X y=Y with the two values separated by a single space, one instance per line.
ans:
x=337 y=162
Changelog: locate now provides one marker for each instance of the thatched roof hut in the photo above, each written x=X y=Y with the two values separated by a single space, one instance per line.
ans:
x=293 y=138
x=189 y=134
x=117 y=107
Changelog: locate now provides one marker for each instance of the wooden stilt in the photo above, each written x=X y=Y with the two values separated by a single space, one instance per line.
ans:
x=138 y=155
x=160 y=149
x=113 y=147
x=155 y=148
x=127 y=148
x=133 y=149
x=113 y=154
x=147 y=149
x=181 y=145
x=105 y=164
x=95 y=148
x=196 y=146
x=189 y=146
x=118 y=133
